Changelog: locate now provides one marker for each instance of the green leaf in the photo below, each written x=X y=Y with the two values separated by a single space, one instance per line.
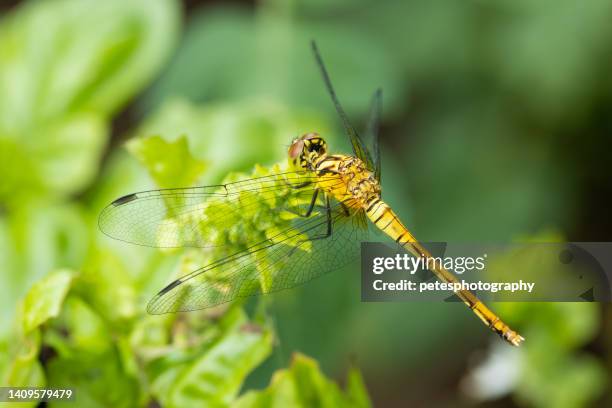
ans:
x=106 y=285
x=65 y=67
x=38 y=238
x=43 y=302
x=68 y=150
x=80 y=55
x=169 y=163
x=16 y=183
x=24 y=369
x=214 y=376
x=98 y=380
x=87 y=332
x=356 y=389
x=303 y=385
x=45 y=299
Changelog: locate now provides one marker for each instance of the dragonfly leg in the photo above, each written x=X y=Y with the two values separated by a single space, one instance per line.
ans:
x=312 y=203
x=329 y=221
x=329 y=227
x=311 y=206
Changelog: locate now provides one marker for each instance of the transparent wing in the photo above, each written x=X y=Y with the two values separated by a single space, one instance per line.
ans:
x=358 y=146
x=204 y=216
x=372 y=128
x=286 y=259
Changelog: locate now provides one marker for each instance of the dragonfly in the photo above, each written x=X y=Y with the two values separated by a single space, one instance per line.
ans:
x=278 y=230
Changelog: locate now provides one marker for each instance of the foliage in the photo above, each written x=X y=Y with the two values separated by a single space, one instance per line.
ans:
x=169 y=163
x=85 y=327
x=553 y=370
x=62 y=88
x=67 y=67
x=493 y=126
x=303 y=385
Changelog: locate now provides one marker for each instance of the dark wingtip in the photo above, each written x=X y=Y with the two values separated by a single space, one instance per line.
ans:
x=169 y=287
x=152 y=306
x=124 y=199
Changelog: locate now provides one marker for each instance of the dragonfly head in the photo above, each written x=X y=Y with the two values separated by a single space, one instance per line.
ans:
x=306 y=149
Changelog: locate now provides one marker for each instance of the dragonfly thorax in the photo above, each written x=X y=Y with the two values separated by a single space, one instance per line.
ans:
x=361 y=185
x=347 y=179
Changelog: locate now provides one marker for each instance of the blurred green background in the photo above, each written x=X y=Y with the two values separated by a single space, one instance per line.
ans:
x=496 y=127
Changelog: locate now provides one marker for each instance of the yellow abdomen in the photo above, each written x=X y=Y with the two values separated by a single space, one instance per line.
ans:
x=348 y=181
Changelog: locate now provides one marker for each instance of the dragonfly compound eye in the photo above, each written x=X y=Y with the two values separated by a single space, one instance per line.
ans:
x=296 y=148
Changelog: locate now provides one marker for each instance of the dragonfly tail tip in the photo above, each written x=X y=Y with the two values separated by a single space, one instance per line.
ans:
x=516 y=339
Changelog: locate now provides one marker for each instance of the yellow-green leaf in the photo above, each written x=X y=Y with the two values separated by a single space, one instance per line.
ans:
x=45 y=299
x=170 y=164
